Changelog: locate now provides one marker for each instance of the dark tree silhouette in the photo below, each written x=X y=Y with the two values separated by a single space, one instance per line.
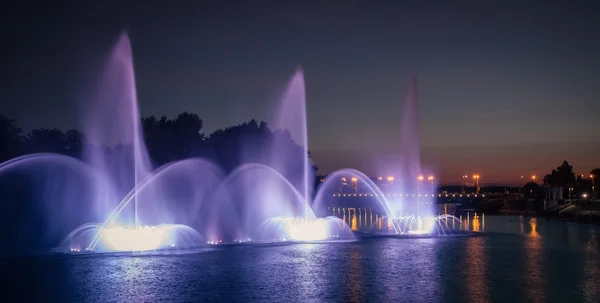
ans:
x=46 y=140
x=561 y=176
x=170 y=140
x=10 y=139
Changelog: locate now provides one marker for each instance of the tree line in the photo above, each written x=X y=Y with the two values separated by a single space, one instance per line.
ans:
x=564 y=176
x=167 y=140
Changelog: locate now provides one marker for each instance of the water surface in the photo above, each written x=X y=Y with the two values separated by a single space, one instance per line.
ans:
x=516 y=259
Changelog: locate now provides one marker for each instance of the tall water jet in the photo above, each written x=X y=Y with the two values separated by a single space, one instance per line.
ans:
x=291 y=117
x=113 y=120
x=410 y=160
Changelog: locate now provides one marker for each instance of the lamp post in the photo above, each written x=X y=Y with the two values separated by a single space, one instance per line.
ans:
x=430 y=178
x=464 y=183
x=570 y=194
x=355 y=184
x=420 y=178
x=476 y=177
x=522 y=184
x=593 y=189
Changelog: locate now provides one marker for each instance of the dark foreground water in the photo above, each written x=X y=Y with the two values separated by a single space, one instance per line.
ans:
x=516 y=259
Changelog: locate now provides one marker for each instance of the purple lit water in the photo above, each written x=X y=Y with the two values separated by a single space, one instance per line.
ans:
x=516 y=261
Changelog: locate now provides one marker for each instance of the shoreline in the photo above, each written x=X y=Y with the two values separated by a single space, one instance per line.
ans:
x=555 y=217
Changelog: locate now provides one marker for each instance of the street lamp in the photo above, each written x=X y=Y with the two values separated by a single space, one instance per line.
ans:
x=533 y=178
x=391 y=182
x=522 y=184
x=570 y=194
x=420 y=178
x=355 y=183
x=476 y=177
x=593 y=188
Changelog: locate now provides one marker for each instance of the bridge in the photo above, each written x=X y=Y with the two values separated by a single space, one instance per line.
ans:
x=445 y=195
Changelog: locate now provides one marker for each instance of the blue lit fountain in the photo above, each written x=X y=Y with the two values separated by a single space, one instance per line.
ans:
x=408 y=206
x=192 y=202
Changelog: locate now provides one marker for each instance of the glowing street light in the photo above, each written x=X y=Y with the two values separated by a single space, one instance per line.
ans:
x=570 y=194
x=355 y=184
x=533 y=178
x=379 y=178
x=593 y=188
x=476 y=177
x=420 y=178
x=390 y=178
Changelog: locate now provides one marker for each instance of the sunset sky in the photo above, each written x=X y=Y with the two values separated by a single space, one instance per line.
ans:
x=507 y=88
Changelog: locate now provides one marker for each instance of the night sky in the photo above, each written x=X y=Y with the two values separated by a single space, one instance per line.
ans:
x=507 y=88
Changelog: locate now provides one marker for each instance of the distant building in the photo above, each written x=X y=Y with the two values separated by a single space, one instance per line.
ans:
x=553 y=195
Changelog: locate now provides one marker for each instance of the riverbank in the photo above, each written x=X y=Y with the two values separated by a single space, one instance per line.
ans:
x=577 y=216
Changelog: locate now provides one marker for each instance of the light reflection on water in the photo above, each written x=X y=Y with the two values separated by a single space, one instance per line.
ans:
x=549 y=261
x=591 y=287
x=476 y=272
x=534 y=264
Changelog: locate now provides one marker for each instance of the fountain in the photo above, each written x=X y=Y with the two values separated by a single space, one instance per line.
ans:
x=407 y=208
x=192 y=202
x=270 y=200
x=159 y=206
x=182 y=204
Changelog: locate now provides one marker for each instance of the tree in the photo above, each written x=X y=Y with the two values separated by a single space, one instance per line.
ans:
x=44 y=140
x=254 y=142
x=74 y=141
x=10 y=139
x=170 y=140
x=562 y=176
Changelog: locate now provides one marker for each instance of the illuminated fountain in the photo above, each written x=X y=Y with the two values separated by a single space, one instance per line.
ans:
x=268 y=199
x=159 y=206
x=191 y=202
x=407 y=214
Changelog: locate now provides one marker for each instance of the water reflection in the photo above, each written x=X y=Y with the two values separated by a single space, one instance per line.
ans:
x=550 y=261
x=591 y=290
x=310 y=275
x=355 y=291
x=534 y=259
x=476 y=272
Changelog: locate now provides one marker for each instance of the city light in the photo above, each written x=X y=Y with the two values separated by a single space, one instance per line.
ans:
x=354 y=179
x=420 y=178
x=430 y=178
x=379 y=178
x=390 y=178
